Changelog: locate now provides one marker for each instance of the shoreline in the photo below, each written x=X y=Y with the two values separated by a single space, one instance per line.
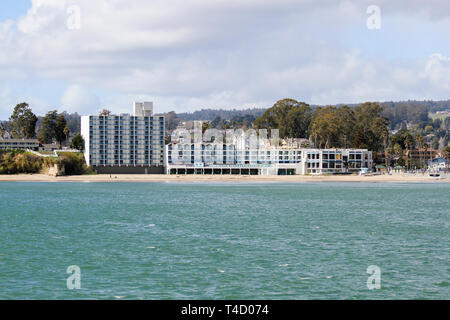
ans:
x=220 y=178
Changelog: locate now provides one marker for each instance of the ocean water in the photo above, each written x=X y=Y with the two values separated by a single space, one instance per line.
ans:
x=224 y=241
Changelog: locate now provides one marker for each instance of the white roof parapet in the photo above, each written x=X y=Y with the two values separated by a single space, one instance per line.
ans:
x=19 y=140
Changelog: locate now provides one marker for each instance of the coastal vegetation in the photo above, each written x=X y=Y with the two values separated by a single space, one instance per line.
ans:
x=291 y=117
x=53 y=127
x=390 y=129
x=330 y=124
x=23 y=121
x=328 y=127
x=77 y=142
x=20 y=161
x=74 y=163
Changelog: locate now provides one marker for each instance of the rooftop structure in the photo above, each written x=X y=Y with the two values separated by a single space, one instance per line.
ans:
x=143 y=109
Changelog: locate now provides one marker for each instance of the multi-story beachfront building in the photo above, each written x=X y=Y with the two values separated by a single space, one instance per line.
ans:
x=124 y=143
x=208 y=158
x=419 y=157
x=19 y=144
x=438 y=164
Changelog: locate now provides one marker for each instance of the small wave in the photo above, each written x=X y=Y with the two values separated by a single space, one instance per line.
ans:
x=151 y=247
x=443 y=284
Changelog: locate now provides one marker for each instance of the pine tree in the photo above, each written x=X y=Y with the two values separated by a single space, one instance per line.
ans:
x=47 y=131
x=61 y=125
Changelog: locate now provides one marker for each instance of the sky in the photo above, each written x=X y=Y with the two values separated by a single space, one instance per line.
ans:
x=84 y=55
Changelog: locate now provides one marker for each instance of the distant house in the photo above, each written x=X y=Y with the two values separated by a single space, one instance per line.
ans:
x=19 y=144
x=438 y=164
x=418 y=156
x=50 y=147
x=27 y=144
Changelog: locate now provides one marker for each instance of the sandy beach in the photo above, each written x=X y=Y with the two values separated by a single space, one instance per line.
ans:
x=223 y=178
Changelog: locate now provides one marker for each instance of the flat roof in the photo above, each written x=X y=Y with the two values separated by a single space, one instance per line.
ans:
x=19 y=140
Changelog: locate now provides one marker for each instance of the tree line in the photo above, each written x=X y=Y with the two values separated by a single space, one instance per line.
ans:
x=375 y=126
x=364 y=126
x=328 y=127
x=397 y=112
x=52 y=127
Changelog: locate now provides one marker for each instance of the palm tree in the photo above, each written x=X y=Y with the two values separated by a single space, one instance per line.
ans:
x=408 y=142
x=387 y=157
x=420 y=142
x=66 y=133
x=385 y=136
x=446 y=155
x=425 y=147
x=398 y=151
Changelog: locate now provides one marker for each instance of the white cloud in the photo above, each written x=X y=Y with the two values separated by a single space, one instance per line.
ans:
x=76 y=98
x=186 y=55
x=10 y=98
x=437 y=71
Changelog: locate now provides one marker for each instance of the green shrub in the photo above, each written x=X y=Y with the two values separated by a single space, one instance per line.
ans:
x=73 y=163
x=18 y=161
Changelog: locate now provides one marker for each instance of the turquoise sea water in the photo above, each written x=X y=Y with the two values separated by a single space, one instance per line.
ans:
x=224 y=241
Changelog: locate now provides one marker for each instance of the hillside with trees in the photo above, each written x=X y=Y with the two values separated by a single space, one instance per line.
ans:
x=376 y=126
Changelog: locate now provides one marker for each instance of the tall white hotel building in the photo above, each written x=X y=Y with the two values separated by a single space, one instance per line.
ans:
x=125 y=143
